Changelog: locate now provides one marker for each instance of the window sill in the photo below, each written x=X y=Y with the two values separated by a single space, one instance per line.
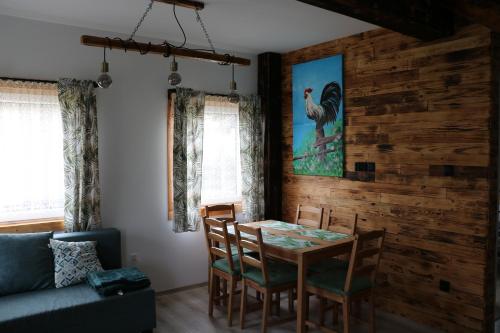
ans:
x=39 y=225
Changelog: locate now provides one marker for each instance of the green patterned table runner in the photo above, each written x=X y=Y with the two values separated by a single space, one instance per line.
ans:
x=290 y=242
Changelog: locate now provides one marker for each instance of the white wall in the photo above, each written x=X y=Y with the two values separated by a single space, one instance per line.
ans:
x=132 y=135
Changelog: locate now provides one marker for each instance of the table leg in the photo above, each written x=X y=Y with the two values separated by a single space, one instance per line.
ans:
x=301 y=294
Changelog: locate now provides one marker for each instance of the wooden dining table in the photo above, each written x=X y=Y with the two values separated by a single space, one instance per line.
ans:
x=301 y=245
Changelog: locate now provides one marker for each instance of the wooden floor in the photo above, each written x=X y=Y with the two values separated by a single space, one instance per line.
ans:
x=186 y=311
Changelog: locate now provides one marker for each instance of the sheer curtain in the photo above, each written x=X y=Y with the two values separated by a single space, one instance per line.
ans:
x=31 y=139
x=221 y=168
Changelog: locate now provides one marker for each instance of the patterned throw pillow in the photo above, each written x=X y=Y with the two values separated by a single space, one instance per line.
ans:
x=73 y=261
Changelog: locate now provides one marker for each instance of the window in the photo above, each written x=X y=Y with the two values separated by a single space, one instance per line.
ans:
x=31 y=148
x=221 y=166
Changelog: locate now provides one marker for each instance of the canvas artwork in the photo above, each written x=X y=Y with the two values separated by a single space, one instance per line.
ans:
x=318 y=117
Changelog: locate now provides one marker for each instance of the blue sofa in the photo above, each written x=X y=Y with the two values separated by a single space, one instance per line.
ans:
x=79 y=308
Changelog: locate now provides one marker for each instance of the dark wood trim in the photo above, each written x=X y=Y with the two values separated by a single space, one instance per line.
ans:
x=161 y=49
x=269 y=89
x=491 y=241
x=426 y=20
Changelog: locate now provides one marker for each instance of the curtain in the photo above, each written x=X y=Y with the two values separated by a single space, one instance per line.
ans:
x=252 y=158
x=31 y=172
x=188 y=157
x=81 y=168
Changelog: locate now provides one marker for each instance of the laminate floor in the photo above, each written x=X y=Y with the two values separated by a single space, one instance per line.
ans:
x=187 y=311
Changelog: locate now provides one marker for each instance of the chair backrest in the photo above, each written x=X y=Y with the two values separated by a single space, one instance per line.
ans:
x=225 y=212
x=314 y=216
x=367 y=247
x=348 y=228
x=254 y=246
x=213 y=238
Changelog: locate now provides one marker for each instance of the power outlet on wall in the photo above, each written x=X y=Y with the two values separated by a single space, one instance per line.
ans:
x=133 y=259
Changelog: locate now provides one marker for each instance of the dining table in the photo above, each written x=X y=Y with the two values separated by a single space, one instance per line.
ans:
x=300 y=245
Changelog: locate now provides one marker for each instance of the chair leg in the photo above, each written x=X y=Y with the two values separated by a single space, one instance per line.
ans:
x=243 y=305
x=211 y=291
x=278 y=303
x=371 y=302
x=265 y=310
x=290 y=300
x=322 y=305
x=224 y=292
x=335 y=313
x=216 y=283
x=232 y=287
x=346 y=312
x=257 y=295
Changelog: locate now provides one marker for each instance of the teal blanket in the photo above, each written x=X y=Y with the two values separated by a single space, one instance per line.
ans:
x=118 y=281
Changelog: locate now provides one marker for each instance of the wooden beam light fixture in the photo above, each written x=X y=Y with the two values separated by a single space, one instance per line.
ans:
x=167 y=49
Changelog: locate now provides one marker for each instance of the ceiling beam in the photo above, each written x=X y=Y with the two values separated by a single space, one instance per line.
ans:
x=184 y=3
x=144 y=48
x=423 y=19
x=485 y=12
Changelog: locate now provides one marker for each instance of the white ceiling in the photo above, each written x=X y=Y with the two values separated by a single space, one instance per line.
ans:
x=251 y=26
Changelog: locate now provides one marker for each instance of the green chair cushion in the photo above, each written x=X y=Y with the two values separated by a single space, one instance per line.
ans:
x=334 y=281
x=223 y=265
x=329 y=264
x=279 y=273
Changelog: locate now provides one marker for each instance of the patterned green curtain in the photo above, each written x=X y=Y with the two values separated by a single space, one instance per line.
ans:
x=81 y=168
x=188 y=157
x=252 y=158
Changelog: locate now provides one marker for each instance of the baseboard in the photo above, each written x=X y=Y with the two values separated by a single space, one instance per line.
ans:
x=171 y=291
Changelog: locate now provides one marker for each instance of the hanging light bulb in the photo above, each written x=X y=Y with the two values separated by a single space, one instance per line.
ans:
x=174 y=78
x=104 y=80
x=233 y=96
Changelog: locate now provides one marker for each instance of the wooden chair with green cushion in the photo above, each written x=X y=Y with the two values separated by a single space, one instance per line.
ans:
x=314 y=216
x=262 y=274
x=223 y=264
x=356 y=282
x=340 y=261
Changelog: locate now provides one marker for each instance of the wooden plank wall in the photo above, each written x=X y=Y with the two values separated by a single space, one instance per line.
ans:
x=424 y=114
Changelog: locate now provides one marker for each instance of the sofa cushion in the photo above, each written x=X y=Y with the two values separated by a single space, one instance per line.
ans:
x=108 y=244
x=25 y=262
x=73 y=261
x=77 y=309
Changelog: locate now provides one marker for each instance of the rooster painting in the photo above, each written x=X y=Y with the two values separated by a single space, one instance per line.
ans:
x=318 y=119
x=325 y=112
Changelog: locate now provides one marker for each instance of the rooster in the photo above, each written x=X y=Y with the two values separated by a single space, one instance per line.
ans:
x=325 y=112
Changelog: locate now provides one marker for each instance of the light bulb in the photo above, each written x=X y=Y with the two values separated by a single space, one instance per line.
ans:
x=104 y=80
x=233 y=97
x=174 y=78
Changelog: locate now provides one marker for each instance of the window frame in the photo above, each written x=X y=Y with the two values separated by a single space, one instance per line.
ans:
x=238 y=205
x=52 y=223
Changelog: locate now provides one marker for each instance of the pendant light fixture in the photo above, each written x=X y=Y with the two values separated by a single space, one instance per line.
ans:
x=174 y=78
x=233 y=94
x=104 y=80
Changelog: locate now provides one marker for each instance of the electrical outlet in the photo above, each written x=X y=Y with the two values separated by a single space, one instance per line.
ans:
x=444 y=286
x=133 y=258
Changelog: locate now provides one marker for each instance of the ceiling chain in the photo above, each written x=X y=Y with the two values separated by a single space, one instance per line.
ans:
x=204 y=28
x=146 y=12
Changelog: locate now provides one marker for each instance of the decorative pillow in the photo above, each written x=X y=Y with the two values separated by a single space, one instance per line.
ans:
x=73 y=261
x=25 y=263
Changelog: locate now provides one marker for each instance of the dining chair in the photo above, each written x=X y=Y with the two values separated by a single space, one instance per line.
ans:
x=260 y=273
x=314 y=216
x=356 y=282
x=224 y=212
x=223 y=265
x=341 y=260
